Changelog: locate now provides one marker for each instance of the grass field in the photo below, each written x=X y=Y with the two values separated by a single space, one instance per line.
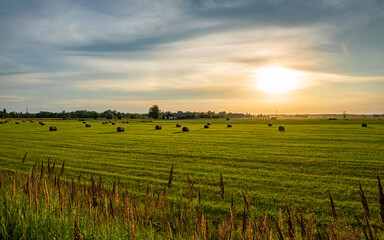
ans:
x=297 y=166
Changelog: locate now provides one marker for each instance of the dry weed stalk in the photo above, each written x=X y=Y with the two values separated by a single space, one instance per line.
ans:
x=170 y=178
x=76 y=233
x=25 y=157
x=381 y=200
x=334 y=214
x=221 y=186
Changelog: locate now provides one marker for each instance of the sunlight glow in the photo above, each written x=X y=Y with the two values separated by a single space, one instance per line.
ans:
x=277 y=79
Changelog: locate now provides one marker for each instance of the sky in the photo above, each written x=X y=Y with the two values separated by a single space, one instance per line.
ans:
x=192 y=55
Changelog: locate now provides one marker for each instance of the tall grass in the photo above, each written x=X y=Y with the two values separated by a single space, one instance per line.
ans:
x=50 y=206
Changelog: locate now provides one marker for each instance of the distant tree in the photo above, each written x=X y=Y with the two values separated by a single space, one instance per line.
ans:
x=108 y=114
x=135 y=116
x=154 y=112
x=95 y=115
x=5 y=115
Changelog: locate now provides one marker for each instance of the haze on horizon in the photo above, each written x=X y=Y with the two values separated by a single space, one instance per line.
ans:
x=296 y=56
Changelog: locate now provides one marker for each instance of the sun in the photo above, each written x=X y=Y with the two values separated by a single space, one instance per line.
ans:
x=277 y=79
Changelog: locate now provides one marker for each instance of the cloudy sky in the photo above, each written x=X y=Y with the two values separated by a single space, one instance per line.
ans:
x=326 y=56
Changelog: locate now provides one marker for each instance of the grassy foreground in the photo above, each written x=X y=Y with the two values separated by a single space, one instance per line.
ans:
x=269 y=167
x=41 y=206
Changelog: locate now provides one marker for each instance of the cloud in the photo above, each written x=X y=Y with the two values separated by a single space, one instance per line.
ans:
x=7 y=98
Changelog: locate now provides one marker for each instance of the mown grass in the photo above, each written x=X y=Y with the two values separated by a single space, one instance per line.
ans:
x=297 y=166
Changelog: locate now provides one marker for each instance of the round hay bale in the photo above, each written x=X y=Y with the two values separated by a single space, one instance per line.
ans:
x=113 y=123
x=84 y=122
x=364 y=125
x=31 y=121
x=270 y=124
x=185 y=129
x=52 y=128
x=282 y=128
x=123 y=122
x=229 y=125
x=127 y=122
x=120 y=129
x=206 y=126
x=87 y=125
x=42 y=124
x=178 y=125
x=17 y=122
x=23 y=120
x=158 y=127
x=110 y=121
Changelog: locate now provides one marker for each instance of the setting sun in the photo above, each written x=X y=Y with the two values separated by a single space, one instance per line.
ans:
x=277 y=79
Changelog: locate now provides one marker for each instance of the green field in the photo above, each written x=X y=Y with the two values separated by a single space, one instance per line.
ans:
x=297 y=166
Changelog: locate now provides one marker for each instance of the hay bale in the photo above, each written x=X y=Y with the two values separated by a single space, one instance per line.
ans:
x=113 y=123
x=17 y=122
x=270 y=124
x=229 y=125
x=52 y=128
x=84 y=122
x=123 y=122
x=110 y=121
x=206 y=126
x=282 y=128
x=127 y=122
x=185 y=129
x=87 y=125
x=23 y=120
x=42 y=124
x=120 y=129
x=364 y=125
x=31 y=121
x=178 y=125
x=158 y=127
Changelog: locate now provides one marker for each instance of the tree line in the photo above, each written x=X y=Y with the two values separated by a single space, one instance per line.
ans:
x=153 y=112
x=108 y=114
